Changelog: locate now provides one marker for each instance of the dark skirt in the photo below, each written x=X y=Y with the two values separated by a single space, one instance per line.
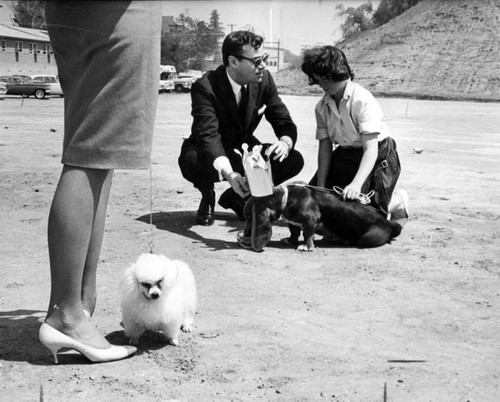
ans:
x=108 y=59
x=382 y=180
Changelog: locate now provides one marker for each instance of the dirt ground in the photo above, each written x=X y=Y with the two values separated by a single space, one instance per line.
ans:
x=415 y=320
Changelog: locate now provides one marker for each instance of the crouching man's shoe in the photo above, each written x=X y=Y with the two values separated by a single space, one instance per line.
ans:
x=205 y=214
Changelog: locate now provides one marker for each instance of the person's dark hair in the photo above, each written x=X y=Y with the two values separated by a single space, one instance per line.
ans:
x=328 y=62
x=234 y=42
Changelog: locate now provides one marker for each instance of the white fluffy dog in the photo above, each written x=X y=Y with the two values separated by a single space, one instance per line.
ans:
x=158 y=294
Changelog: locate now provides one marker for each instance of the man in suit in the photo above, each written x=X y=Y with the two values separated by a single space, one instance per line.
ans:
x=227 y=106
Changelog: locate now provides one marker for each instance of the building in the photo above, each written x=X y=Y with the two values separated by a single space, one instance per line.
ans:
x=23 y=51
x=276 y=56
x=168 y=24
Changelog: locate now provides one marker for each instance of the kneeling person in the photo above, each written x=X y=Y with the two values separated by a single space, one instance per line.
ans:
x=227 y=106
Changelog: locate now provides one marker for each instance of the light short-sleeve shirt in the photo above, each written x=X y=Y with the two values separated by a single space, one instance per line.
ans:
x=358 y=113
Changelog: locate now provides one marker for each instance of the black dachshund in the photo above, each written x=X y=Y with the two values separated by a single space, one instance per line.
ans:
x=314 y=210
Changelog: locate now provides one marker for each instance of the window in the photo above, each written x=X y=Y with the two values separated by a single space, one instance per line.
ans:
x=30 y=47
x=4 y=45
x=18 y=46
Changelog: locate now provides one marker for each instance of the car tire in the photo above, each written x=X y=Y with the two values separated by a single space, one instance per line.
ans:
x=179 y=88
x=39 y=94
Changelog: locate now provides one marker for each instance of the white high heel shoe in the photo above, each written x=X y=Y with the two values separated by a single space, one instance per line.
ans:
x=54 y=340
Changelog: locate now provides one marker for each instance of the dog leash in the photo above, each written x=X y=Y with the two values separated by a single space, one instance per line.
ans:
x=151 y=242
x=364 y=199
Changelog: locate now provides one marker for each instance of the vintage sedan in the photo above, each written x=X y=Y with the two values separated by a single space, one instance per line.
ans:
x=52 y=80
x=3 y=89
x=17 y=85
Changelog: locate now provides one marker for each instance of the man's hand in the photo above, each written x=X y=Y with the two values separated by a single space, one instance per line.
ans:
x=239 y=184
x=280 y=149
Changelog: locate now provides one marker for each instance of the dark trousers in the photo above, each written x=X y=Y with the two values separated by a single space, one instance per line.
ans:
x=195 y=168
x=382 y=179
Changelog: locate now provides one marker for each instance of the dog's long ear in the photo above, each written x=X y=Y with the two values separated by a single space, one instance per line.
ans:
x=261 y=225
x=247 y=211
x=170 y=271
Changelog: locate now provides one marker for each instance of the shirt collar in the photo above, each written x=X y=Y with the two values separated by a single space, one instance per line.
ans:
x=348 y=91
x=234 y=85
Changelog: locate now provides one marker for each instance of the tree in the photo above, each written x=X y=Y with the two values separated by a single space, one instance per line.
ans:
x=355 y=19
x=192 y=42
x=389 y=9
x=28 y=14
x=216 y=35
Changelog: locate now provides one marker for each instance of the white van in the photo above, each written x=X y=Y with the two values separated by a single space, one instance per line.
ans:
x=166 y=81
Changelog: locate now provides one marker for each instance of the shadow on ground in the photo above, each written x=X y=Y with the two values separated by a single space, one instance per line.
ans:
x=183 y=223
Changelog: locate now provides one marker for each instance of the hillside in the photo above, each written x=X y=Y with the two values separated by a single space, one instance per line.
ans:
x=442 y=49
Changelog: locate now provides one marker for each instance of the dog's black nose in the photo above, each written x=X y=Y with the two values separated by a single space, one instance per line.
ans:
x=155 y=296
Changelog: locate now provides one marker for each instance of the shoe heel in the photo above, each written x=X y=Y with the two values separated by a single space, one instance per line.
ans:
x=50 y=344
x=53 y=349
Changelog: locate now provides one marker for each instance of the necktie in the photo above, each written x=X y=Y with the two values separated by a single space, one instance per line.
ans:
x=243 y=101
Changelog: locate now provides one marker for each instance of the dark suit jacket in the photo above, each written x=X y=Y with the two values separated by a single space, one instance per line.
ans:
x=217 y=125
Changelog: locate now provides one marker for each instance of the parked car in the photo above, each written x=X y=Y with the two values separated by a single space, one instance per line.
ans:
x=182 y=83
x=166 y=86
x=191 y=77
x=3 y=89
x=52 y=80
x=17 y=85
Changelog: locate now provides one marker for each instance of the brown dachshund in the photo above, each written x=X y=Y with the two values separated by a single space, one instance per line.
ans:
x=314 y=210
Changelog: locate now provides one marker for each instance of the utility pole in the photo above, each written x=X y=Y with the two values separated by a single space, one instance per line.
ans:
x=231 y=25
x=278 y=55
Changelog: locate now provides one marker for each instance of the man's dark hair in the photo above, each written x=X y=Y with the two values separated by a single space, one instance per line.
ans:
x=234 y=42
x=328 y=62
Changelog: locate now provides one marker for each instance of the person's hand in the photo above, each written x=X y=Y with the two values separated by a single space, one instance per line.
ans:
x=351 y=192
x=280 y=149
x=239 y=184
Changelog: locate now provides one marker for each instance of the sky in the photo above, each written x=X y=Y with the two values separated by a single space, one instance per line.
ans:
x=295 y=23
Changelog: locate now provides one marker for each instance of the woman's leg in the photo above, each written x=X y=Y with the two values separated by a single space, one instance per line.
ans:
x=76 y=223
x=89 y=285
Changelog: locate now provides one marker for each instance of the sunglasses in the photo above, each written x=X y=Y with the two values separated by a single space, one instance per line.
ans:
x=257 y=61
